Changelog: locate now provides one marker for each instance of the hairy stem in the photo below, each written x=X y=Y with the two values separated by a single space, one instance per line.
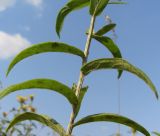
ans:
x=81 y=76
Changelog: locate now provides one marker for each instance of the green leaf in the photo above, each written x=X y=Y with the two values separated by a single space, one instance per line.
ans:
x=111 y=46
x=97 y=6
x=118 y=63
x=43 y=48
x=81 y=96
x=42 y=84
x=105 y=29
x=156 y=133
x=68 y=8
x=93 y=5
x=112 y=118
x=43 y=119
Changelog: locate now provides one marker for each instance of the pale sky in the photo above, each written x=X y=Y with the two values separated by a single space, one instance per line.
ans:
x=26 y=22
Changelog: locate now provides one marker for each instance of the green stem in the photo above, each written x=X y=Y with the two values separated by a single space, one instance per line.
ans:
x=81 y=76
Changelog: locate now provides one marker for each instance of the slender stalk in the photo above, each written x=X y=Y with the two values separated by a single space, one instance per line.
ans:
x=133 y=132
x=81 y=76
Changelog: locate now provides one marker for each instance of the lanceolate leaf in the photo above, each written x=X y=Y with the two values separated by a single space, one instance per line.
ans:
x=43 y=48
x=80 y=99
x=42 y=84
x=112 y=118
x=105 y=29
x=43 y=119
x=111 y=46
x=69 y=7
x=97 y=6
x=118 y=63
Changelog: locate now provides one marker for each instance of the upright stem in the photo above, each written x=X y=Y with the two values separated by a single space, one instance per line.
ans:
x=81 y=76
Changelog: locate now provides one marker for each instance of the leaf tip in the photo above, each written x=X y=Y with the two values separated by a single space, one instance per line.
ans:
x=157 y=96
x=124 y=2
x=7 y=73
x=58 y=34
x=119 y=74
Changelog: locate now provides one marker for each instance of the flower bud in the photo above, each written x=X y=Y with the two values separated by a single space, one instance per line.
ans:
x=5 y=114
x=32 y=109
x=21 y=99
x=31 y=97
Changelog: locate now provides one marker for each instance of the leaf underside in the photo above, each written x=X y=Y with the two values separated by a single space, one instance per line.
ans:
x=111 y=46
x=112 y=118
x=43 y=48
x=93 y=5
x=43 y=119
x=97 y=6
x=121 y=64
x=49 y=84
